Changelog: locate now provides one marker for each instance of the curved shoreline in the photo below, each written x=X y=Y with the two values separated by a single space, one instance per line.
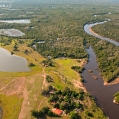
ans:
x=16 y=63
x=94 y=32
x=116 y=81
x=115 y=102
x=88 y=30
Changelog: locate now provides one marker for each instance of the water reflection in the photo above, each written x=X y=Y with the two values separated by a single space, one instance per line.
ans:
x=103 y=94
x=87 y=29
x=12 y=63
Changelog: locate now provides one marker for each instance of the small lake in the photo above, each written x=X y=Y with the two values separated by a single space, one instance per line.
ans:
x=11 y=32
x=12 y=63
x=21 y=21
x=103 y=94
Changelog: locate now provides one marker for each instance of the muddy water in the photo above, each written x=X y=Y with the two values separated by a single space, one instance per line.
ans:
x=103 y=94
x=12 y=63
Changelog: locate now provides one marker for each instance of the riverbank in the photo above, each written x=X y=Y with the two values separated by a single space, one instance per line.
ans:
x=115 y=102
x=115 y=81
x=94 y=32
x=97 y=88
x=88 y=29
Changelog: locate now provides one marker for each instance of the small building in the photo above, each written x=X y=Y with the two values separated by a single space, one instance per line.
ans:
x=57 y=111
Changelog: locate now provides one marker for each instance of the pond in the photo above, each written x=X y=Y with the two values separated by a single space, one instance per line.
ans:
x=11 y=32
x=21 y=21
x=12 y=63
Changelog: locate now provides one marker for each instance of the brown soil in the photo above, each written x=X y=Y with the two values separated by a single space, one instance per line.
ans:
x=112 y=83
x=94 y=32
x=24 y=106
x=78 y=84
x=16 y=86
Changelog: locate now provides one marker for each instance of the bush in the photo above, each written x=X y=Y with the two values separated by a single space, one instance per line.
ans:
x=74 y=115
x=82 y=80
x=48 y=78
x=31 y=64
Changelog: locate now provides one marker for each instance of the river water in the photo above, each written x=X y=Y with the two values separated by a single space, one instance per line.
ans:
x=87 y=29
x=103 y=94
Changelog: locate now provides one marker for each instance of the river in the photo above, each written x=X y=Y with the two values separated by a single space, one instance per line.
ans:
x=87 y=29
x=103 y=94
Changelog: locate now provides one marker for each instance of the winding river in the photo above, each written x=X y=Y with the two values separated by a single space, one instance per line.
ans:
x=103 y=94
x=87 y=29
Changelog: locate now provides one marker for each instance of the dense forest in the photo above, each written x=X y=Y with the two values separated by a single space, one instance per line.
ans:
x=61 y=27
x=109 y=30
x=54 y=46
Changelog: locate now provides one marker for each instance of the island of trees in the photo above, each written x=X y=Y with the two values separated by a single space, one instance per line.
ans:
x=116 y=98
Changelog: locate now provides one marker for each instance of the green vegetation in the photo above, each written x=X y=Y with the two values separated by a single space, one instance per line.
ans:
x=63 y=47
x=43 y=112
x=109 y=29
x=48 y=63
x=74 y=115
x=61 y=28
x=9 y=105
x=67 y=100
x=31 y=64
x=77 y=69
x=116 y=98
x=107 y=58
x=48 y=78
x=73 y=103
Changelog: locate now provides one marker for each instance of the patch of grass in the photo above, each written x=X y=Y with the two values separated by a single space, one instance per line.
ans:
x=65 y=68
x=34 y=87
x=11 y=106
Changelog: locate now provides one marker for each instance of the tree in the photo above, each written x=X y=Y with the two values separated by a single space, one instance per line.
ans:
x=45 y=110
x=31 y=64
x=15 y=48
x=37 y=114
x=48 y=78
x=12 y=53
x=74 y=115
